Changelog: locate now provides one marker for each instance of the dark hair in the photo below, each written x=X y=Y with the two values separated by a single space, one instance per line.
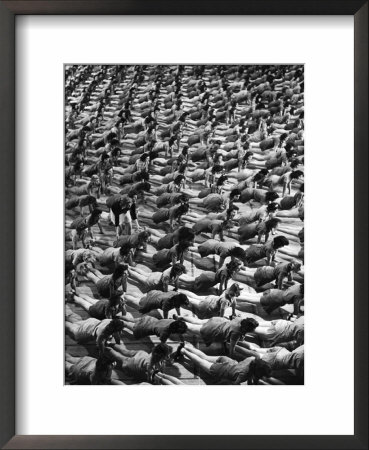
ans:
x=178 y=179
x=113 y=326
x=217 y=168
x=222 y=179
x=177 y=327
x=144 y=186
x=102 y=371
x=180 y=299
x=232 y=266
x=78 y=165
x=95 y=212
x=248 y=325
x=182 y=198
x=238 y=252
x=295 y=163
x=143 y=236
x=226 y=224
x=177 y=269
x=119 y=271
x=125 y=249
x=181 y=209
x=160 y=352
x=144 y=156
x=271 y=207
x=283 y=137
x=296 y=174
x=186 y=234
x=234 y=290
x=260 y=175
x=115 y=151
x=271 y=196
x=294 y=264
x=234 y=193
x=183 y=245
x=141 y=176
x=247 y=155
x=260 y=369
x=280 y=241
x=271 y=223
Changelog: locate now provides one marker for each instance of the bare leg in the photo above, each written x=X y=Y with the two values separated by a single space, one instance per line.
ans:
x=132 y=301
x=201 y=354
x=163 y=378
x=120 y=348
x=82 y=302
x=200 y=362
x=71 y=359
x=194 y=320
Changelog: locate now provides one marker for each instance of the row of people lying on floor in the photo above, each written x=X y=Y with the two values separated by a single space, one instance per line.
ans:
x=282 y=345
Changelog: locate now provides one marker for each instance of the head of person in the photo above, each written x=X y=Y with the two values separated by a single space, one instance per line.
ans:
x=234 y=290
x=179 y=179
x=233 y=267
x=177 y=270
x=178 y=327
x=283 y=137
x=143 y=237
x=182 y=209
x=160 y=353
x=114 y=326
x=104 y=156
x=258 y=369
x=258 y=177
x=279 y=242
x=119 y=271
x=182 y=198
x=144 y=186
x=144 y=157
x=294 y=266
x=271 y=196
x=222 y=179
x=88 y=257
x=296 y=174
x=183 y=246
x=78 y=166
x=238 y=253
x=116 y=152
x=235 y=194
x=248 y=325
x=95 y=180
x=295 y=163
x=231 y=212
x=124 y=250
x=186 y=234
x=180 y=299
x=133 y=195
x=142 y=176
x=103 y=370
x=226 y=224
x=216 y=169
x=272 y=224
x=271 y=209
x=248 y=156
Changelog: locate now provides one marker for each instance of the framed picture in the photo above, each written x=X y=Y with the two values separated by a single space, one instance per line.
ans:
x=141 y=139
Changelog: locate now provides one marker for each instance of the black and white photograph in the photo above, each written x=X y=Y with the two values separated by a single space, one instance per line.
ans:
x=184 y=224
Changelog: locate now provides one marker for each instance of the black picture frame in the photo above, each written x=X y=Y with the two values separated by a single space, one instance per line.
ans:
x=8 y=12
